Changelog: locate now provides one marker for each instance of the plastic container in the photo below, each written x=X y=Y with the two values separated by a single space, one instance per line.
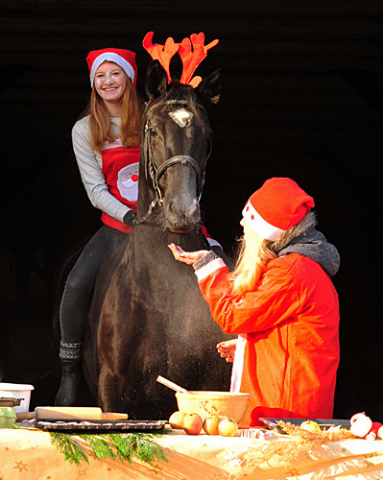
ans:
x=17 y=390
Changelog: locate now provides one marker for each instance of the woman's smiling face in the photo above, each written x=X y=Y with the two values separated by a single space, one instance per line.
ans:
x=110 y=82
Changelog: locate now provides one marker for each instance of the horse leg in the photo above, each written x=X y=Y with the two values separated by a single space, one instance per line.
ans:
x=108 y=388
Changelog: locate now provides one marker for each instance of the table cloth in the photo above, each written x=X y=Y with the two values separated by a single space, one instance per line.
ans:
x=30 y=455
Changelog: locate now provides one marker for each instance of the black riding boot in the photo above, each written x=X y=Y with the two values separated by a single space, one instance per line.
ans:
x=70 y=356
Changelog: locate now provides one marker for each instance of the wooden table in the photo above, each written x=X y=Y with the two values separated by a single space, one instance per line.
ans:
x=29 y=454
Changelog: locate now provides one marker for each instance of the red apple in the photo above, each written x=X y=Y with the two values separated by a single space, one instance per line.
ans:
x=210 y=425
x=192 y=424
x=176 y=419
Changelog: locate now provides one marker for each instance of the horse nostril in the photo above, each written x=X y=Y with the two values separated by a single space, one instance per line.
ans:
x=183 y=213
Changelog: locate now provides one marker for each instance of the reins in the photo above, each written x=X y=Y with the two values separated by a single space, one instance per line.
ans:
x=155 y=175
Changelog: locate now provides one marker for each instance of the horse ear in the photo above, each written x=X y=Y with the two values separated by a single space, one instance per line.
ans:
x=156 y=79
x=210 y=88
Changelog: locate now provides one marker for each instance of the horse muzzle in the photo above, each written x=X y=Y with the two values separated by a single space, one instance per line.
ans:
x=182 y=217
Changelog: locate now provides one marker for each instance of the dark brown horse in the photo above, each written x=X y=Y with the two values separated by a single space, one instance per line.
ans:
x=148 y=317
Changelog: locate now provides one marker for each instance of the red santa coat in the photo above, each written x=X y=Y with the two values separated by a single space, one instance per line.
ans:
x=291 y=322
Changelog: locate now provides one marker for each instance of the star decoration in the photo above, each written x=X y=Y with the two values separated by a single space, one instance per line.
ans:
x=293 y=472
x=20 y=465
x=156 y=469
x=368 y=464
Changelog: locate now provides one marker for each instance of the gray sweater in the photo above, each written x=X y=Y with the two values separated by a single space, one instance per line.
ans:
x=90 y=166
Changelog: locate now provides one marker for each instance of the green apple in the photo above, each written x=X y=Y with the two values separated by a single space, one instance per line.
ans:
x=227 y=427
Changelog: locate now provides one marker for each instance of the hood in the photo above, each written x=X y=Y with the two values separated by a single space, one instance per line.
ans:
x=313 y=244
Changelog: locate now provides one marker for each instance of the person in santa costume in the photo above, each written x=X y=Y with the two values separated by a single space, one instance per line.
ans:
x=106 y=145
x=281 y=302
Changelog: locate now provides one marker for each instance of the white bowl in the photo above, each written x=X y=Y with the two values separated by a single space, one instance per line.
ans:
x=17 y=390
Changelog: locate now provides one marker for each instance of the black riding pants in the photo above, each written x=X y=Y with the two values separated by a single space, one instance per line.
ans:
x=81 y=280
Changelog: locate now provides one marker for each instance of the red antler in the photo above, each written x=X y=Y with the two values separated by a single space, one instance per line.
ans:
x=162 y=53
x=191 y=59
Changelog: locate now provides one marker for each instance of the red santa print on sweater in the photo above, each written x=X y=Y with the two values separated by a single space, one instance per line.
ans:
x=127 y=182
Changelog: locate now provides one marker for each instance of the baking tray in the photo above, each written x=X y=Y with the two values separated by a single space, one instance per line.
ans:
x=324 y=424
x=100 y=426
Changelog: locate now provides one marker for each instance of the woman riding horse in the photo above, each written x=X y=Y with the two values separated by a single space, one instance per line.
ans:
x=148 y=317
x=106 y=144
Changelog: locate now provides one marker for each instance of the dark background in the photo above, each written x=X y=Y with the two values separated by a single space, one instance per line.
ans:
x=303 y=98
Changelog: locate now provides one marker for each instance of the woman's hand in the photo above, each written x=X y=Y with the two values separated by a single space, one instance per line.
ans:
x=227 y=349
x=186 y=257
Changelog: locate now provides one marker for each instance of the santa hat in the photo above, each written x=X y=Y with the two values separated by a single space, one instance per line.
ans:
x=124 y=58
x=277 y=206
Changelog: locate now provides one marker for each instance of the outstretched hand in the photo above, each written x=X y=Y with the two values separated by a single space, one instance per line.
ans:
x=186 y=257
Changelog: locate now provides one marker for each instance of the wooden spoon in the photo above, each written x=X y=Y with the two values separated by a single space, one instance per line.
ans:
x=171 y=385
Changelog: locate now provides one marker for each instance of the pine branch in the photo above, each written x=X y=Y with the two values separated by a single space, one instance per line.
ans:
x=124 y=446
x=67 y=445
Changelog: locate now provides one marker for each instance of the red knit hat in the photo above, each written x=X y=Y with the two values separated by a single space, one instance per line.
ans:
x=124 y=58
x=277 y=206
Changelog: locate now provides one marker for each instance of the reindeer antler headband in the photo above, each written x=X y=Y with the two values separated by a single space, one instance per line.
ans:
x=191 y=57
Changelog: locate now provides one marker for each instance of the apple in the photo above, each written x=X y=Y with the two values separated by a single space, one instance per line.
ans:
x=227 y=427
x=192 y=423
x=210 y=425
x=176 y=419
x=310 y=426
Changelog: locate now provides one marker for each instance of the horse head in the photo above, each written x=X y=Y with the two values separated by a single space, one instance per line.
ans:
x=176 y=143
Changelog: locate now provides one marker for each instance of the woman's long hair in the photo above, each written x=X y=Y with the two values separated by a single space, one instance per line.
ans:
x=99 y=122
x=255 y=252
x=253 y=255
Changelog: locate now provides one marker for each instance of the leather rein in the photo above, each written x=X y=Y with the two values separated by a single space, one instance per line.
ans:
x=156 y=174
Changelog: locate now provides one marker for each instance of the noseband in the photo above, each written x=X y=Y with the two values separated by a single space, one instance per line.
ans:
x=156 y=174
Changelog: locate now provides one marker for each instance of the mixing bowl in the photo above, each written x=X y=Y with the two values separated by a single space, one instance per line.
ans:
x=205 y=403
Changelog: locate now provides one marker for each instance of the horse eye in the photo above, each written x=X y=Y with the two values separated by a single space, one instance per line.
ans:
x=152 y=131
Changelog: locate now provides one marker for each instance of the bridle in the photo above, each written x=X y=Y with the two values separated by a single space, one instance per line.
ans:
x=156 y=174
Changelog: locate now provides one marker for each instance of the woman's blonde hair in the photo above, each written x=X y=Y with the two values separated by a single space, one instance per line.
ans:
x=99 y=123
x=255 y=252
x=253 y=255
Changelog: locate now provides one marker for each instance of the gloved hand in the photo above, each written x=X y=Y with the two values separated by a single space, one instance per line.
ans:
x=129 y=218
